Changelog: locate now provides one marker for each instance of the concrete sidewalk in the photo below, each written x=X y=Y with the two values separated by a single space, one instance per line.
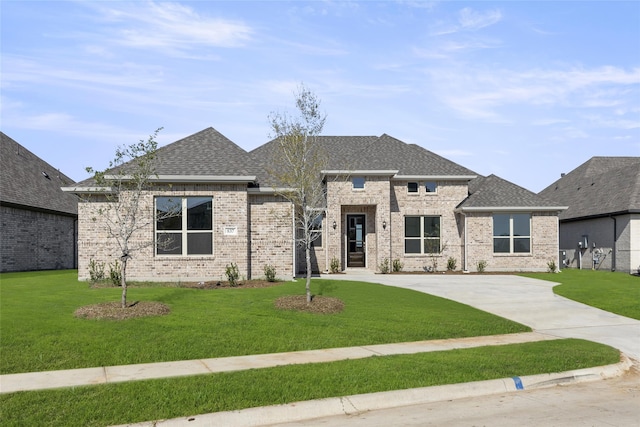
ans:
x=10 y=383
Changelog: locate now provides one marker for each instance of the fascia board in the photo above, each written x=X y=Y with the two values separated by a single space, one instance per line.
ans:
x=513 y=209
x=360 y=172
x=81 y=190
x=434 y=177
x=227 y=179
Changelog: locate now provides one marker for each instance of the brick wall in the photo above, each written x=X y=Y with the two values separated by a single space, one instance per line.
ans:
x=261 y=235
x=544 y=244
x=33 y=240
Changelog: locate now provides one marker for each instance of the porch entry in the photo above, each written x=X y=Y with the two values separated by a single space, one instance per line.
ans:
x=356 y=245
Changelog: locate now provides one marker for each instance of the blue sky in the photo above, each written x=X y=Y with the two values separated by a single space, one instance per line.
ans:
x=524 y=90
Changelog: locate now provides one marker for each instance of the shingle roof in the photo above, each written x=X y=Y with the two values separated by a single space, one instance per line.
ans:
x=372 y=153
x=205 y=153
x=30 y=182
x=493 y=191
x=600 y=186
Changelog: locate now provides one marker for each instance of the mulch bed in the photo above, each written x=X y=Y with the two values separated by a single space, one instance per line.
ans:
x=319 y=304
x=225 y=285
x=114 y=310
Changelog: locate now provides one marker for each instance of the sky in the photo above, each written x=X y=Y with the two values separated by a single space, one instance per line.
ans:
x=523 y=90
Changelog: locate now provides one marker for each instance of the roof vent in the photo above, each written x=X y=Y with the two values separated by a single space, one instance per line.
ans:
x=46 y=175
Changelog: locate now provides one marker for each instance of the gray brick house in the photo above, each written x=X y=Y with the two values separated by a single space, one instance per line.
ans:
x=385 y=200
x=37 y=219
x=601 y=227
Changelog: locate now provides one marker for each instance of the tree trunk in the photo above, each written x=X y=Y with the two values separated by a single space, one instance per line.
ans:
x=308 y=284
x=123 y=281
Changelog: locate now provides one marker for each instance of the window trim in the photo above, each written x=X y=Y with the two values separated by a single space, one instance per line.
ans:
x=511 y=237
x=417 y=190
x=184 y=231
x=422 y=238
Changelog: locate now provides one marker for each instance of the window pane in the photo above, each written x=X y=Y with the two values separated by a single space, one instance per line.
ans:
x=521 y=245
x=521 y=224
x=412 y=246
x=412 y=226
x=199 y=213
x=431 y=246
x=501 y=225
x=199 y=244
x=412 y=187
x=169 y=244
x=430 y=186
x=431 y=226
x=168 y=213
x=358 y=182
x=317 y=239
x=501 y=245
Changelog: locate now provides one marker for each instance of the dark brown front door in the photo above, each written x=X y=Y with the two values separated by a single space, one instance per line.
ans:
x=356 y=244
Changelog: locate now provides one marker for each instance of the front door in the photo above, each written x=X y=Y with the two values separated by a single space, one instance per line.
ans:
x=356 y=245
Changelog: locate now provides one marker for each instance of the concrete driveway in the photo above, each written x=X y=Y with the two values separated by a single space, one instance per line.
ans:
x=523 y=300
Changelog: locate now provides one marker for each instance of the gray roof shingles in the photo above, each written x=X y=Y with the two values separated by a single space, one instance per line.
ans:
x=30 y=182
x=493 y=191
x=600 y=186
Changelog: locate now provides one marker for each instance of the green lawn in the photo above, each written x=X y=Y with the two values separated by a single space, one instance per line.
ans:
x=614 y=292
x=139 y=401
x=39 y=331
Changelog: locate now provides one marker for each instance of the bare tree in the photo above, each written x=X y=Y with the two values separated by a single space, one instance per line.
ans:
x=123 y=186
x=297 y=165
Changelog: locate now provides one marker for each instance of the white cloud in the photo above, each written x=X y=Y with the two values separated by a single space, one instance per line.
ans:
x=469 y=19
x=170 y=27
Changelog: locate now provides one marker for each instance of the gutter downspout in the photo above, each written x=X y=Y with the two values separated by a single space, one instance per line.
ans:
x=615 y=233
x=466 y=249
x=293 y=243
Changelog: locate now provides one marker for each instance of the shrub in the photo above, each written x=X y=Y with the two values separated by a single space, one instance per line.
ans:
x=270 y=273
x=334 y=266
x=384 y=266
x=397 y=265
x=482 y=266
x=452 y=263
x=96 y=271
x=551 y=267
x=232 y=274
x=115 y=275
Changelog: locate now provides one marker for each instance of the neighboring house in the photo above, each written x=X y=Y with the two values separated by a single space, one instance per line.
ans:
x=601 y=227
x=386 y=200
x=38 y=220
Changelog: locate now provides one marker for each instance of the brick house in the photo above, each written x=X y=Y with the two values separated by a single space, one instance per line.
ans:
x=386 y=200
x=601 y=227
x=37 y=219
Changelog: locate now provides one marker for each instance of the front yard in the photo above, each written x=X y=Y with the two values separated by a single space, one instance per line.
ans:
x=39 y=332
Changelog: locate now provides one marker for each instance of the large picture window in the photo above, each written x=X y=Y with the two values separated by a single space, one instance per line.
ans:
x=422 y=234
x=184 y=225
x=512 y=233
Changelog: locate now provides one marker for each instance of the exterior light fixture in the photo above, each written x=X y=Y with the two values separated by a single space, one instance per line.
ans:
x=335 y=225
x=384 y=225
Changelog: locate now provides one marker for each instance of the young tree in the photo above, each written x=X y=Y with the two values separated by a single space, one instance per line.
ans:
x=126 y=211
x=297 y=165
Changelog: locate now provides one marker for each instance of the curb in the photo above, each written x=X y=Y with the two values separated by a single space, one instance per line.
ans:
x=353 y=405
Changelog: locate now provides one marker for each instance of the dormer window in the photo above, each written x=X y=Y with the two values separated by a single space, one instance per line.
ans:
x=412 y=187
x=358 y=182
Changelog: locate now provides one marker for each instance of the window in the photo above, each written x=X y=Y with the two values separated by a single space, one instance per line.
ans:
x=412 y=187
x=512 y=233
x=422 y=234
x=184 y=226
x=316 y=231
x=431 y=187
x=358 y=182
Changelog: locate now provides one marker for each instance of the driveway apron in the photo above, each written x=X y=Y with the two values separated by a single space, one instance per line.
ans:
x=523 y=300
